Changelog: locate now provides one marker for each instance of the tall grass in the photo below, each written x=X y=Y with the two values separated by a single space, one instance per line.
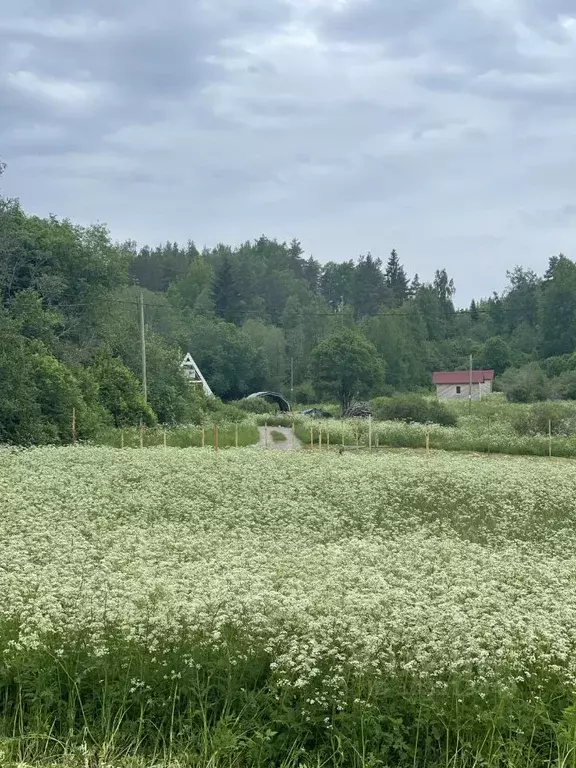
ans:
x=245 y=433
x=489 y=427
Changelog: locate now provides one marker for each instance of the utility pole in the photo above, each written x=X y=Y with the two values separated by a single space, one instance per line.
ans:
x=143 y=343
x=470 y=387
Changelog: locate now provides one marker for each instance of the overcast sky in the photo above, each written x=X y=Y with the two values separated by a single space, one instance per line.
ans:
x=443 y=128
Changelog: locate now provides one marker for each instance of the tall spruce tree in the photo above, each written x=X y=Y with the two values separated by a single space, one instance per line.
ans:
x=395 y=279
x=369 y=288
x=226 y=293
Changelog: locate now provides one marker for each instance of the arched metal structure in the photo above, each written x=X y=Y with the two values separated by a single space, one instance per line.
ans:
x=273 y=397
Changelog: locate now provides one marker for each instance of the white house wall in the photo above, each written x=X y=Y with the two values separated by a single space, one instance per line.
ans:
x=449 y=391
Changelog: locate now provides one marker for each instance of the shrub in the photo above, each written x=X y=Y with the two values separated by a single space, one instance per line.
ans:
x=564 y=386
x=537 y=419
x=525 y=385
x=120 y=392
x=217 y=411
x=255 y=405
x=304 y=394
x=413 y=408
x=275 y=420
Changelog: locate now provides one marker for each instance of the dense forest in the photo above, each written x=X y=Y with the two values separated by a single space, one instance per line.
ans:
x=252 y=316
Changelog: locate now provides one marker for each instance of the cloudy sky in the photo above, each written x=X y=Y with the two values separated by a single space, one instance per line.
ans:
x=443 y=128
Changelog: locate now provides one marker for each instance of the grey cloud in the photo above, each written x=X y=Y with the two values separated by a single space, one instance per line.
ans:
x=459 y=33
x=145 y=59
x=429 y=123
x=564 y=216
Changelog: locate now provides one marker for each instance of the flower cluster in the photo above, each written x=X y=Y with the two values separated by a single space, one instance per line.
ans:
x=336 y=569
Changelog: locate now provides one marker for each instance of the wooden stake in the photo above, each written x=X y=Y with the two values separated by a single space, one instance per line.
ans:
x=73 y=425
x=370 y=432
x=216 y=439
x=141 y=435
x=122 y=439
x=266 y=434
x=165 y=441
x=327 y=438
x=342 y=433
x=293 y=436
x=320 y=438
x=550 y=438
x=311 y=437
x=428 y=443
x=203 y=437
x=236 y=435
x=357 y=436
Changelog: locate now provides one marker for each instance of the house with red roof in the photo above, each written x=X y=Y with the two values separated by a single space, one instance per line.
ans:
x=460 y=385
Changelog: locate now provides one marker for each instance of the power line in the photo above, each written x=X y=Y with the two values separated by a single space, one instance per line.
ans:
x=338 y=313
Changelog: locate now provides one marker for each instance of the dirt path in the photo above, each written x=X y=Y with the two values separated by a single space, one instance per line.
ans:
x=291 y=442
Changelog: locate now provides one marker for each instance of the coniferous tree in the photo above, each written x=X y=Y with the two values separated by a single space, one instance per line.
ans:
x=369 y=288
x=225 y=293
x=396 y=280
x=474 y=314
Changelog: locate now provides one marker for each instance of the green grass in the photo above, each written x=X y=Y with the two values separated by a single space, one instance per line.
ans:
x=229 y=435
x=278 y=437
x=489 y=427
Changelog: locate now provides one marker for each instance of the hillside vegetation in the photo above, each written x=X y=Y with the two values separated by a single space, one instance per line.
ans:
x=69 y=325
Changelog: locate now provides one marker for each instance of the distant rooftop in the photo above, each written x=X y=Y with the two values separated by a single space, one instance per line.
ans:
x=462 y=377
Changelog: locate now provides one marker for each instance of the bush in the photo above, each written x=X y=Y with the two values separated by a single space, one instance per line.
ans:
x=537 y=419
x=217 y=411
x=304 y=394
x=276 y=420
x=564 y=386
x=527 y=384
x=120 y=392
x=413 y=408
x=556 y=366
x=255 y=405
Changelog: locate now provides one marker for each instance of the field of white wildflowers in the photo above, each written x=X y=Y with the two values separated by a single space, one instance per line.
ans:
x=252 y=608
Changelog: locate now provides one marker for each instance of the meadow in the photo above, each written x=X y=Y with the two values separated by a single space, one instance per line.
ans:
x=249 y=608
x=490 y=426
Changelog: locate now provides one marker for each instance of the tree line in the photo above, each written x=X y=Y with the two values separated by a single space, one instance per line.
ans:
x=262 y=315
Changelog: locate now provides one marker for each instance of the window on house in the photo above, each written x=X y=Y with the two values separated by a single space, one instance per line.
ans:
x=458 y=390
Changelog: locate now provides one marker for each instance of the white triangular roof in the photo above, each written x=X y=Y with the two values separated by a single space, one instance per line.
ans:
x=191 y=366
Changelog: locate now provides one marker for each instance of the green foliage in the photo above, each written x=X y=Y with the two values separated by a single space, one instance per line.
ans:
x=539 y=418
x=270 y=343
x=564 y=386
x=413 y=408
x=181 y=437
x=525 y=385
x=198 y=280
x=120 y=393
x=555 y=366
x=304 y=394
x=217 y=411
x=38 y=395
x=255 y=405
x=346 y=366
x=496 y=355
x=558 y=308
x=228 y=358
x=252 y=314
